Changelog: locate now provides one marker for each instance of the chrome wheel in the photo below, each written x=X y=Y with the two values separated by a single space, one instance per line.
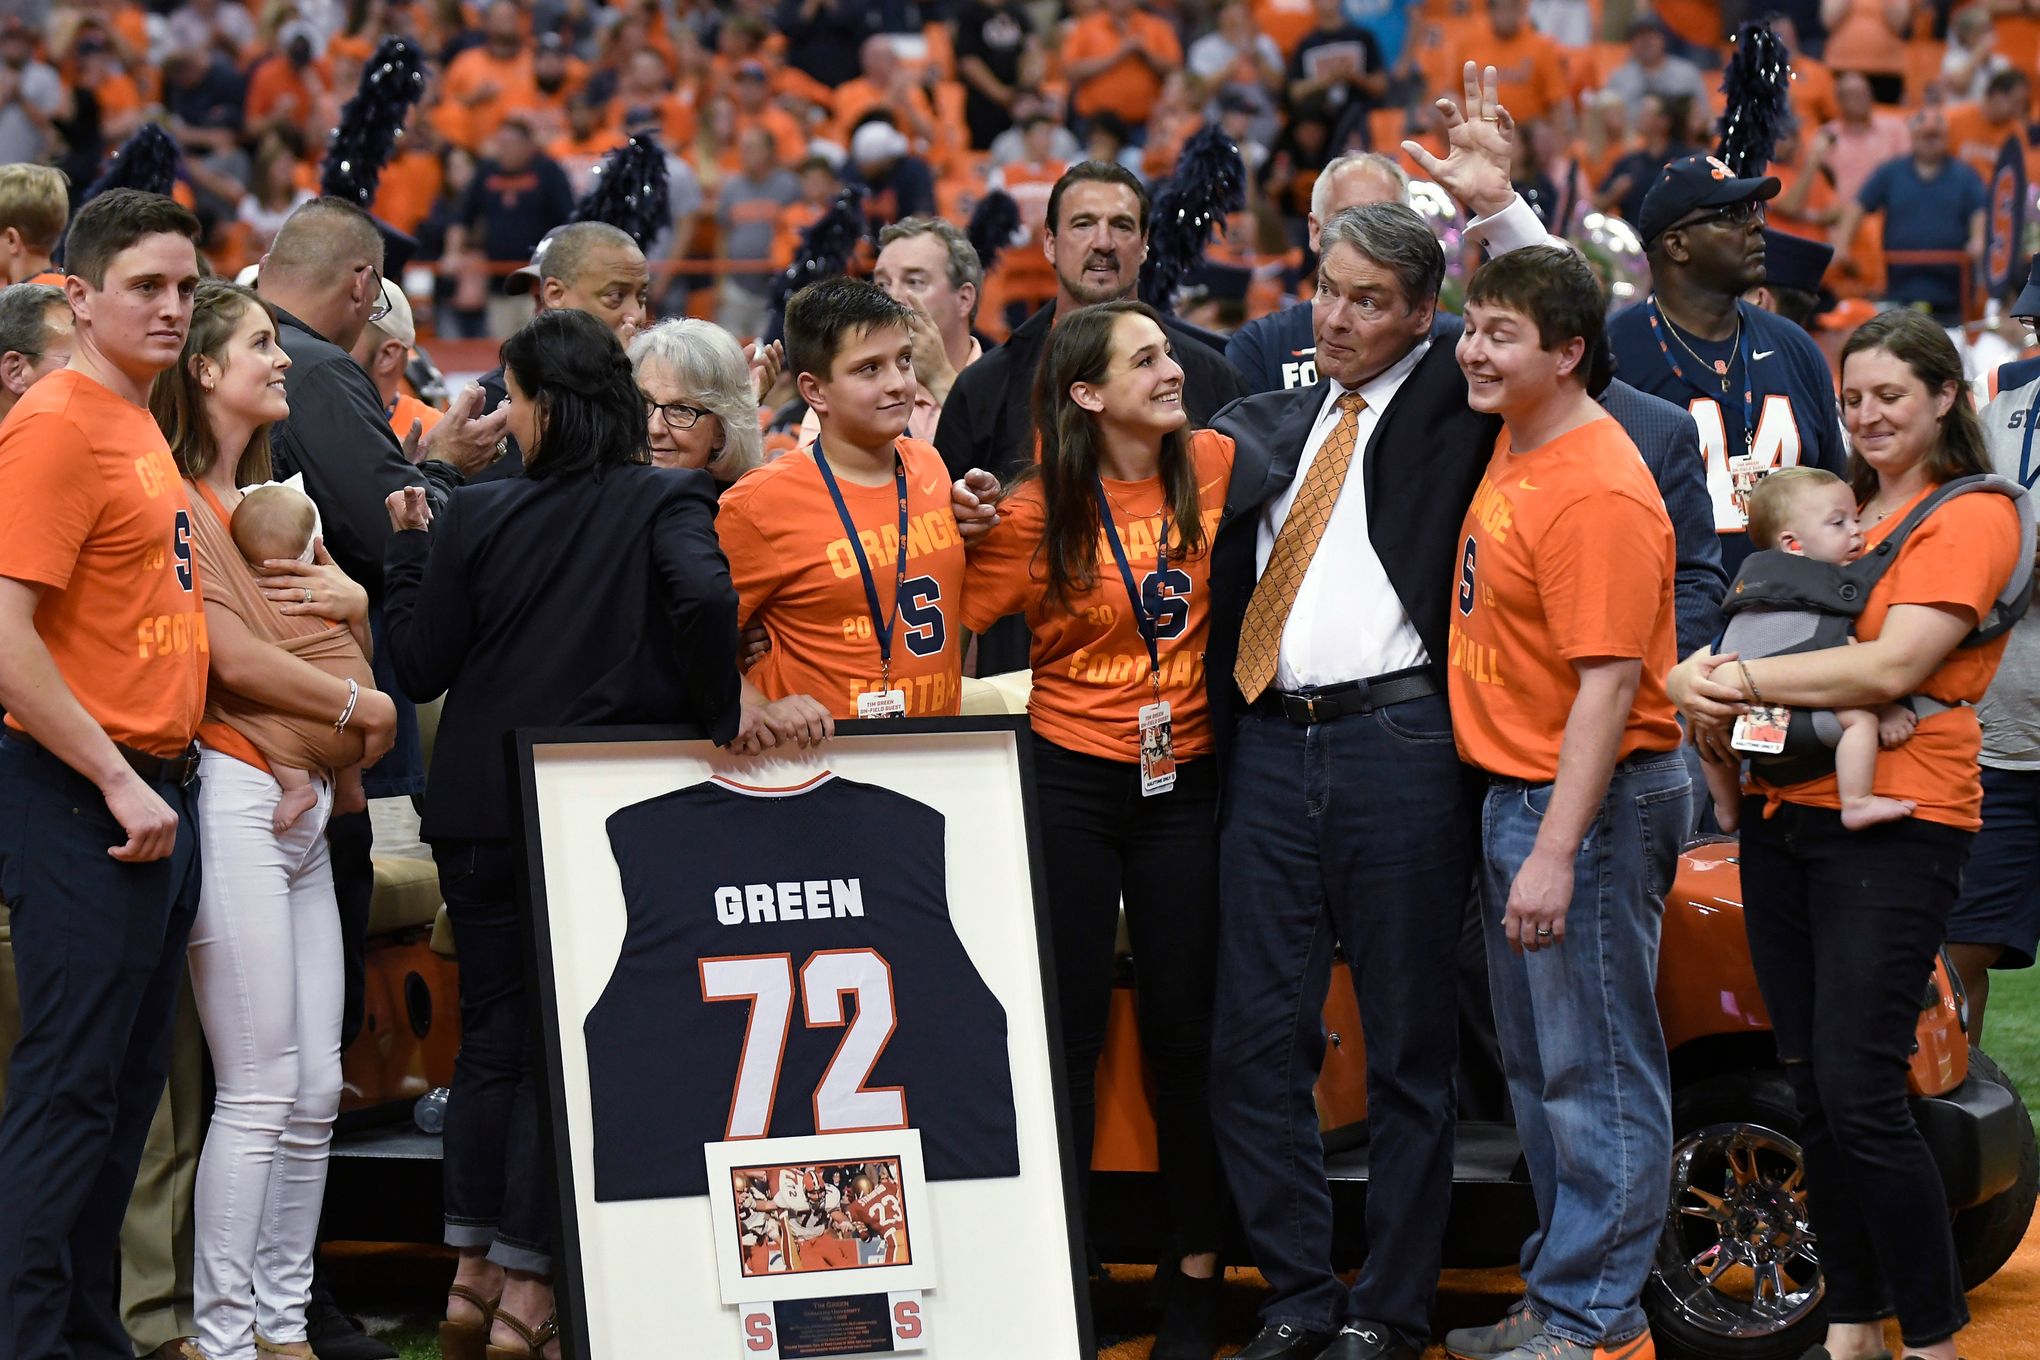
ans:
x=1738 y=1257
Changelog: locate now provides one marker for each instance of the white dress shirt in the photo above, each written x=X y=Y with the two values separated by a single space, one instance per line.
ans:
x=1347 y=623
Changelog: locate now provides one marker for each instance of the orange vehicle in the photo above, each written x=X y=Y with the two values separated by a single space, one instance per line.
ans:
x=1737 y=1275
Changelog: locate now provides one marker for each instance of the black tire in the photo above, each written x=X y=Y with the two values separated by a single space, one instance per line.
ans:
x=1752 y=1115
x=1987 y=1235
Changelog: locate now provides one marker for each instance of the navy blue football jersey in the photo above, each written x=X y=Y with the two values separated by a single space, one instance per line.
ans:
x=1791 y=405
x=789 y=968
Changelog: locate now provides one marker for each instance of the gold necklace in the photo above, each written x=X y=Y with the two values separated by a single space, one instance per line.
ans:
x=1719 y=366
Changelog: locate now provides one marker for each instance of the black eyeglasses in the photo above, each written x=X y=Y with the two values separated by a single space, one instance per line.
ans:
x=382 y=299
x=678 y=415
x=1726 y=215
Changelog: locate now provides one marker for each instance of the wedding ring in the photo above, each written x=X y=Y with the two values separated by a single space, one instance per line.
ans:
x=1544 y=932
x=308 y=594
x=1491 y=118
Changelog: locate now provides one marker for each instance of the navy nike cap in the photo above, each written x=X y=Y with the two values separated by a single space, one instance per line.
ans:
x=2029 y=300
x=1695 y=182
x=1795 y=261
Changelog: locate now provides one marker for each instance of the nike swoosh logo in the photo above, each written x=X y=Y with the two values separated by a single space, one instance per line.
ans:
x=1763 y=354
x=1525 y=484
x=1303 y=353
x=1208 y=485
x=929 y=489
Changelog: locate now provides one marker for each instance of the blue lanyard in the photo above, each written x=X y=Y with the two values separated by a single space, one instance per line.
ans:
x=1144 y=618
x=881 y=622
x=1659 y=322
x=2026 y=447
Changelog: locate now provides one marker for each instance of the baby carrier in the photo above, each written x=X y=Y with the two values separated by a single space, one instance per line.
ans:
x=1781 y=603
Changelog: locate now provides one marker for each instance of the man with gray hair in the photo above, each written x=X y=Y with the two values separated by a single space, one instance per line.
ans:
x=1330 y=590
x=1276 y=352
x=35 y=338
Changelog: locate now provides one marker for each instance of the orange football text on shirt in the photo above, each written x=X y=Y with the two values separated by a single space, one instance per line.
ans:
x=1493 y=511
x=1478 y=660
x=172 y=635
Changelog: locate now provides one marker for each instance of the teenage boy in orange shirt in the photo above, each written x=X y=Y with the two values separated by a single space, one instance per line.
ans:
x=1561 y=637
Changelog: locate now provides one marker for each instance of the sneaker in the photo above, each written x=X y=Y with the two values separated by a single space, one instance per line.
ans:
x=1545 y=1346
x=1517 y=1326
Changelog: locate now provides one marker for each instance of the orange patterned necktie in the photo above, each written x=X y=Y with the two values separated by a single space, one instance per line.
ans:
x=1268 y=611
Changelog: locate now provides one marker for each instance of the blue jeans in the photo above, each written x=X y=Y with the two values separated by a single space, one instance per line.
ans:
x=1582 y=1045
x=1358 y=832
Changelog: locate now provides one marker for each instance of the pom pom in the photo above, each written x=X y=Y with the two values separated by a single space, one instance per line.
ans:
x=629 y=192
x=372 y=122
x=994 y=225
x=147 y=161
x=1758 y=88
x=826 y=249
x=1210 y=182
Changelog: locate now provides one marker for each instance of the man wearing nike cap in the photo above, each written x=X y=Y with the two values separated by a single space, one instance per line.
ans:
x=1758 y=390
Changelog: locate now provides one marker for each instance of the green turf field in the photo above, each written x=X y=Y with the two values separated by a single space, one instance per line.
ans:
x=2012 y=1027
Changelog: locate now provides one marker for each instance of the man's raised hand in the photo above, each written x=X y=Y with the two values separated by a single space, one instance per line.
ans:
x=1480 y=142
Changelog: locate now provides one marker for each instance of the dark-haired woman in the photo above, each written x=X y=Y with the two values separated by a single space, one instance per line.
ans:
x=1843 y=925
x=589 y=590
x=1104 y=545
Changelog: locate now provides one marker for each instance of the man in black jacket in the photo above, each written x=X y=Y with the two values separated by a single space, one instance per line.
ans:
x=1097 y=228
x=323 y=274
x=1331 y=574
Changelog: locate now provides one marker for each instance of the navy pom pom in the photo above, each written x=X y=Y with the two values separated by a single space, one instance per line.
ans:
x=1758 y=88
x=993 y=225
x=629 y=191
x=826 y=249
x=1209 y=184
x=372 y=122
x=147 y=161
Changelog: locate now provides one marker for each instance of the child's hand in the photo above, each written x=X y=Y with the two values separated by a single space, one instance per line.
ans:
x=1895 y=723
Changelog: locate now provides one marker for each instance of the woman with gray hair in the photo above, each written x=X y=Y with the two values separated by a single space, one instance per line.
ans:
x=699 y=405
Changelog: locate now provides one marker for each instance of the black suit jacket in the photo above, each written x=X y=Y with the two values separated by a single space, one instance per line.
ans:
x=559 y=602
x=1420 y=468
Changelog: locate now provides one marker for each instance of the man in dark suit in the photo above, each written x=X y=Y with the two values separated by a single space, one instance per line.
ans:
x=1329 y=598
x=1097 y=229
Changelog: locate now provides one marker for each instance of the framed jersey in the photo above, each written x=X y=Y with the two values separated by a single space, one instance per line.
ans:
x=844 y=955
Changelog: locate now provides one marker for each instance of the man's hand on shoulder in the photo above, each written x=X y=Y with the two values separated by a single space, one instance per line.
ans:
x=467 y=439
x=1481 y=143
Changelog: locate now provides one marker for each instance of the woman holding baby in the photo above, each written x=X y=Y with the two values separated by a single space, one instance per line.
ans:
x=291 y=715
x=1844 y=924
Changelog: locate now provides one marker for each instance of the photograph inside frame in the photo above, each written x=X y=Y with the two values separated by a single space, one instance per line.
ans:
x=821 y=965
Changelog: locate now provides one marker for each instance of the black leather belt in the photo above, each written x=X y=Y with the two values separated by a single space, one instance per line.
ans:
x=180 y=769
x=1322 y=703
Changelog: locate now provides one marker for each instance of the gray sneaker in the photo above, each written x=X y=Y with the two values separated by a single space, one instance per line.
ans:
x=1517 y=1326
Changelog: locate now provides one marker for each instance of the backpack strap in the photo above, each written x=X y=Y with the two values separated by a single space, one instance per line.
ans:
x=2016 y=596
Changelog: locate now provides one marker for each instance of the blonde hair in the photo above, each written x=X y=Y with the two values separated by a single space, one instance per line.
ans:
x=35 y=200
x=273 y=521
x=1774 y=498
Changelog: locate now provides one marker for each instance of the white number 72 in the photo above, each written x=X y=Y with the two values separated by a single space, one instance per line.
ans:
x=841 y=1102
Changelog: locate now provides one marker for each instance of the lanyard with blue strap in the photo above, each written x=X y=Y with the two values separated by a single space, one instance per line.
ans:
x=881 y=622
x=1157 y=751
x=1660 y=323
x=2026 y=444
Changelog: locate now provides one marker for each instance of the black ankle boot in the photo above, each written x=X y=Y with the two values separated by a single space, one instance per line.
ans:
x=1189 y=1325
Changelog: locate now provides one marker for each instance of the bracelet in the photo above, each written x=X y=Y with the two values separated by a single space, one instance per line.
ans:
x=1756 y=695
x=353 y=694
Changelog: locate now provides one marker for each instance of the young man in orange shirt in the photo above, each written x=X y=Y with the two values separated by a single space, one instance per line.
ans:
x=103 y=662
x=1115 y=58
x=848 y=555
x=1562 y=633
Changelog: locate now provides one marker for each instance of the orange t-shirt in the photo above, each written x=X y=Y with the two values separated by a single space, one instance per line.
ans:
x=1863 y=41
x=1288 y=22
x=472 y=72
x=856 y=98
x=1530 y=66
x=409 y=187
x=1129 y=87
x=1567 y=553
x=1090 y=664
x=408 y=408
x=1820 y=201
x=796 y=574
x=1813 y=92
x=93 y=510
x=1958 y=559
x=1977 y=143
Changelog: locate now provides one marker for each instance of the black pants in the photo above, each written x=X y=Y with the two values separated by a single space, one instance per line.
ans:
x=1843 y=927
x=498 y=1183
x=1103 y=841
x=99 y=959
x=349 y=840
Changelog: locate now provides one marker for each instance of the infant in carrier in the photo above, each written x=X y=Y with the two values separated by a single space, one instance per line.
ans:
x=1811 y=513
x=278 y=522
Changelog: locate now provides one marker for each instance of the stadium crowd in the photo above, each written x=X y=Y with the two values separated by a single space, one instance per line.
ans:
x=1442 y=204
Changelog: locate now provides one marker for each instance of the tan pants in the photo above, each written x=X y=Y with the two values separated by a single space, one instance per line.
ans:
x=155 y=1238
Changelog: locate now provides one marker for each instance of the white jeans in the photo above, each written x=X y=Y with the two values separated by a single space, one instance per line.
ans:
x=265 y=971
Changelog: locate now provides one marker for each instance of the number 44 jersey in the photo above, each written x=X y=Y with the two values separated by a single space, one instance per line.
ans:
x=789 y=968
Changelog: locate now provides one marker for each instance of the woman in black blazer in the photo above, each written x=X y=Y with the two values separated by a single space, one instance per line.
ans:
x=590 y=590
